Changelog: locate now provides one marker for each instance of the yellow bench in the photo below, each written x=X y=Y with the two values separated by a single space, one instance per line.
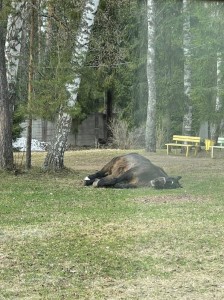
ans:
x=220 y=145
x=184 y=141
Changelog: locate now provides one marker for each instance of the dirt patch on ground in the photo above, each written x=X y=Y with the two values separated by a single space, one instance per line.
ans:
x=169 y=198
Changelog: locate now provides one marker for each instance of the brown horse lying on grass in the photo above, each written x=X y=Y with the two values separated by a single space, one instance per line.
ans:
x=131 y=171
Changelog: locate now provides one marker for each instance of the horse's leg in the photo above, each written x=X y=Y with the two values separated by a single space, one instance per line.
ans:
x=117 y=182
x=91 y=178
x=105 y=171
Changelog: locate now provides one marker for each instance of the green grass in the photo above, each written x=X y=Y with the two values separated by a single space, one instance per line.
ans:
x=61 y=240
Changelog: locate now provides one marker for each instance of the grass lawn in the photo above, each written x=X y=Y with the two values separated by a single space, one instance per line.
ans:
x=61 y=240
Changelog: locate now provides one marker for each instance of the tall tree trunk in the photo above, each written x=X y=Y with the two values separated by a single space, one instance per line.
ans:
x=13 y=44
x=187 y=119
x=217 y=123
x=150 y=134
x=30 y=84
x=55 y=156
x=218 y=81
x=6 y=153
x=109 y=99
x=215 y=127
x=48 y=29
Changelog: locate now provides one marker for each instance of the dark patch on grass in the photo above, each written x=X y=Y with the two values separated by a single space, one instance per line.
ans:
x=170 y=198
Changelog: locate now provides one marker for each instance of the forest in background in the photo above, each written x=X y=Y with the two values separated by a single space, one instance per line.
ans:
x=117 y=58
x=116 y=61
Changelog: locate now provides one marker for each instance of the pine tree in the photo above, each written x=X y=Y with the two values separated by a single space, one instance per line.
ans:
x=30 y=81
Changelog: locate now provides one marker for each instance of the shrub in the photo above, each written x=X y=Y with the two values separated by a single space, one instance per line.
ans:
x=125 y=138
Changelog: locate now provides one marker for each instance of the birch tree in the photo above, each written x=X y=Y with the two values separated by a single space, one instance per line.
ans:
x=6 y=154
x=48 y=29
x=216 y=125
x=55 y=156
x=13 y=43
x=187 y=119
x=150 y=134
x=215 y=128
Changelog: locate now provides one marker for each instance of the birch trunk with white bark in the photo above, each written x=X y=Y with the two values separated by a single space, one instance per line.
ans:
x=47 y=28
x=55 y=156
x=150 y=134
x=217 y=124
x=218 y=104
x=215 y=127
x=187 y=119
x=13 y=44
